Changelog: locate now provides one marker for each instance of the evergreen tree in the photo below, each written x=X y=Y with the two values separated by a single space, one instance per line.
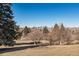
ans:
x=17 y=28
x=64 y=35
x=55 y=34
x=26 y=30
x=55 y=29
x=62 y=28
x=45 y=30
x=7 y=25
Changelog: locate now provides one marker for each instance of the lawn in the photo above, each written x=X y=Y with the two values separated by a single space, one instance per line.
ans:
x=31 y=50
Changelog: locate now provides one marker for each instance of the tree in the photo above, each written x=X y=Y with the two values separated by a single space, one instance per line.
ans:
x=56 y=28
x=35 y=36
x=26 y=30
x=7 y=25
x=65 y=35
x=17 y=28
x=53 y=36
x=56 y=34
x=45 y=33
x=62 y=34
x=62 y=28
x=45 y=30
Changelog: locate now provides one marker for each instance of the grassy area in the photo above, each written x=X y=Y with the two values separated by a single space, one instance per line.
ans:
x=56 y=50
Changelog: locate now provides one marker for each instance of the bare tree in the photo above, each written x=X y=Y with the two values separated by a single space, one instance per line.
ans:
x=35 y=36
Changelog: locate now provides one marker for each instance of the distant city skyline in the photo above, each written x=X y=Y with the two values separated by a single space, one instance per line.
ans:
x=46 y=14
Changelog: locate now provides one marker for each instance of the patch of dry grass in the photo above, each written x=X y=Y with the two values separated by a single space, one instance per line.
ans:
x=54 y=50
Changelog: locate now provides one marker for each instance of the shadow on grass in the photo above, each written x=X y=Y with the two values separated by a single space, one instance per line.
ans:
x=26 y=46
x=30 y=43
x=5 y=50
x=25 y=43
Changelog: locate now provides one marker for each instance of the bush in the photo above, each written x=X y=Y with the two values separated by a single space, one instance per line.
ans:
x=1 y=42
x=7 y=42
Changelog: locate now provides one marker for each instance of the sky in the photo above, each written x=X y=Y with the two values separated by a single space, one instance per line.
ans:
x=46 y=14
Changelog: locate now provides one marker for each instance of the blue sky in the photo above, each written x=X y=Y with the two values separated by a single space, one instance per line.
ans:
x=46 y=14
